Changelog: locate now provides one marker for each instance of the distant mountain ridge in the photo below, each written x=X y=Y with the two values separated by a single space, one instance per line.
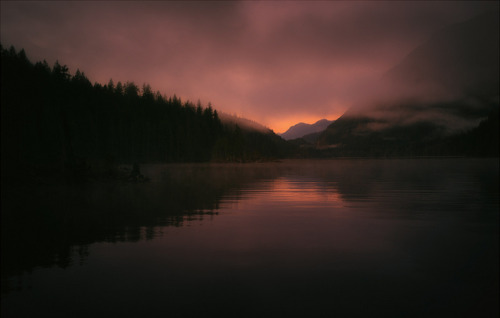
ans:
x=302 y=129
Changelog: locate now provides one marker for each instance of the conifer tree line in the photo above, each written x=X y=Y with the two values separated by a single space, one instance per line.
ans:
x=52 y=118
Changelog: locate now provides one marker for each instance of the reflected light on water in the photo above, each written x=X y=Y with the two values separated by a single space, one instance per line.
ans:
x=346 y=238
x=294 y=192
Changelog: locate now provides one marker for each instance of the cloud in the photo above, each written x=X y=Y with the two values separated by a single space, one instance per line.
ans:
x=265 y=60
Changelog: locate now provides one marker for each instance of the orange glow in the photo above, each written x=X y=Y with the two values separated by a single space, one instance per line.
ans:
x=280 y=125
x=276 y=64
x=293 y=190
x=301 y=193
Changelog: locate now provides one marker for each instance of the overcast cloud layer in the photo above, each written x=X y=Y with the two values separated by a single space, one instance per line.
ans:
x=277 y=63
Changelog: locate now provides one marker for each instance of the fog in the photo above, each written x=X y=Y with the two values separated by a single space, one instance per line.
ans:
x=277 y=63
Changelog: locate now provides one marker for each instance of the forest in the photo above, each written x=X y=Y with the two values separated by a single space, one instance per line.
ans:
x=57 y=122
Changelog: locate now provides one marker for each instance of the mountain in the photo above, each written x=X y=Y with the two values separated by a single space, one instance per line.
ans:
x=301 y=129
x=243 y=123
x=249 y=141
x=445 y=87
x=462 y=59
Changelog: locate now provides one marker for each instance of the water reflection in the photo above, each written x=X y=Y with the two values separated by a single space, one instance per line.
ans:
x=406 y=238
x=45 y=224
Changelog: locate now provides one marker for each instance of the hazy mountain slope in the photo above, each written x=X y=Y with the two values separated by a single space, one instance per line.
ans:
x=253 y=141
x=462 y=59
x=301 y=129
x=445 y=87
x=243 y=123
x=312 y=138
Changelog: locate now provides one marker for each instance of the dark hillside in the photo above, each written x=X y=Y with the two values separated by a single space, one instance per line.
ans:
x=57 y=122
x=432 y=102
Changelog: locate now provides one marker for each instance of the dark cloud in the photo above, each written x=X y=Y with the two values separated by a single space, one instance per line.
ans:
x=274 y=62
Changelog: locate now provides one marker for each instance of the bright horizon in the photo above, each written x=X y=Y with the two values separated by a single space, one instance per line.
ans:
x=276 y=63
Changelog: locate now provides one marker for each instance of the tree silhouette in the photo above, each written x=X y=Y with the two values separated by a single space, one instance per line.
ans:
x=65 y=123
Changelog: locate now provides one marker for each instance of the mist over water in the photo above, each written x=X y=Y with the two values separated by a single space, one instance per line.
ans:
x=356 y=238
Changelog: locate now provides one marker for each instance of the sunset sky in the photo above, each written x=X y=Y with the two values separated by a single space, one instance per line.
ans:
x=277 y=63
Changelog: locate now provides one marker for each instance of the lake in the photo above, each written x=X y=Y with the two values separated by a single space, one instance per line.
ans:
x=325 y=238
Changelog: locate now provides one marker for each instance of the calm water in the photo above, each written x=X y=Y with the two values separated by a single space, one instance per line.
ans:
x=336 y=238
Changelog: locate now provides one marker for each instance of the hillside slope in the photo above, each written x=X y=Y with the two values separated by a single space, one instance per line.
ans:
x=444 y=88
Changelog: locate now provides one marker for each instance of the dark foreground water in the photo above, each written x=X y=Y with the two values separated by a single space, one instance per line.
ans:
x=337 y=238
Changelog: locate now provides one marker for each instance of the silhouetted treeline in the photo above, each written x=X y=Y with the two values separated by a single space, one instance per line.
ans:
x=246 y=145
x=52 y=119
